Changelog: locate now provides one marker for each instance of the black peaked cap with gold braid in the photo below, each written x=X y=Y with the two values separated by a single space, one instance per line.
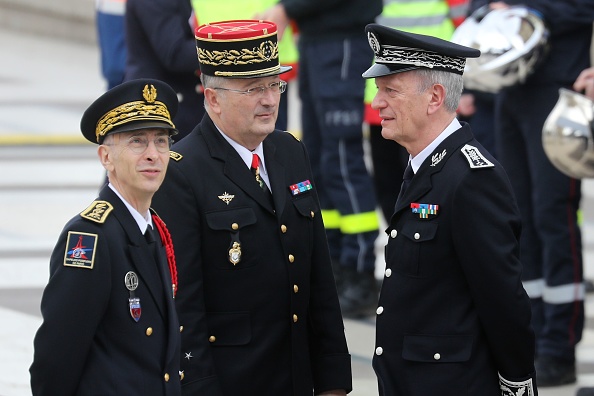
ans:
x=136 y=104
x=397 y=51
x=239 y=49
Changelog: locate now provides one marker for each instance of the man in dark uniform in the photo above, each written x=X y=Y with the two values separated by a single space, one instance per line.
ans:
x=109 y=320
x=257 y=297
x=453 y=318
x=160 y=43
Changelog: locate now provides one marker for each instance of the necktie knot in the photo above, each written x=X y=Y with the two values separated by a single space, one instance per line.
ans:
x=406 y=178
x=408 y=173
x=256 y=171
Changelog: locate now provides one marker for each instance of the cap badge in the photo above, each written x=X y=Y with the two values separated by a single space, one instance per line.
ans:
x=149 y=93
x=373 y=42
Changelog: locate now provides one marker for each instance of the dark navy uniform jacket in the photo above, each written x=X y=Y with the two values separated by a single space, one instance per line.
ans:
x=453 y=314
x=161 y=45
x=271 y=323
x=89 y=343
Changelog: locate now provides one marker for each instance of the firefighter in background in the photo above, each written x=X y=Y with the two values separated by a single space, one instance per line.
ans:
x=208 y=11
x=333 y=53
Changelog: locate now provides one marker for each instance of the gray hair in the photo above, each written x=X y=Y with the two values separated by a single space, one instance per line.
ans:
x=211 y=82
x=452 y=82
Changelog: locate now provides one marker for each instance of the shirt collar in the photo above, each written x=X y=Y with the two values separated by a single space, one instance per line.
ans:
x=245 y=154
x=141 y=220
x=418 y=160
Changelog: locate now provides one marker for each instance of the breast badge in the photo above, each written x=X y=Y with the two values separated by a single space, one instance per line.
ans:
x=226 y=197
x=300 y=188
x=235 y=253
x=131 y=282
x=424 y=210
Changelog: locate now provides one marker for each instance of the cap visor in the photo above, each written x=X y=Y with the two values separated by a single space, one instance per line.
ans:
x=379 y=70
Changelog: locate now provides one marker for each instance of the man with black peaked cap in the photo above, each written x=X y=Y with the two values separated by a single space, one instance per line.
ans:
x=109 y=320
x=257 y=298
x=453 y=317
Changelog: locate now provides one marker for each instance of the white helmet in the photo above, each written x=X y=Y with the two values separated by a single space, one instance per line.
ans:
x=567 y=135
x=512 y=42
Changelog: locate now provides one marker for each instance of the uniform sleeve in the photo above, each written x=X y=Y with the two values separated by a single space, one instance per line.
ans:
x=72 y=306
x=486 y=235
x=168 y=32
x=331 y=361
x=182 y=219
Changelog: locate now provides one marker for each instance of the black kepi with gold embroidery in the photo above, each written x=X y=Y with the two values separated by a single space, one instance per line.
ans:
x=135 y=104
x=397 y=51
x=239 y=49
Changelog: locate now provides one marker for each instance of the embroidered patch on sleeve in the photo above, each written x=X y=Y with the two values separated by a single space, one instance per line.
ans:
x=475 y=158
x=80 y=250
x=513 y=388
x=175 y=156
x=97 y=211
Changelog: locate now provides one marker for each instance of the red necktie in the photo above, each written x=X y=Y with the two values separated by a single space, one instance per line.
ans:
x=256 y=171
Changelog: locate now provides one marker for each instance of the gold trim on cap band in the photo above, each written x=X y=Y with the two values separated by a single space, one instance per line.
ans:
x=265 y=52
x=132 y=111
x=248 y=73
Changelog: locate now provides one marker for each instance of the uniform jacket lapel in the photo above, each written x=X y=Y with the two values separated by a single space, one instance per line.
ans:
x=141 y=252
x=234 y=167
x=276 y=173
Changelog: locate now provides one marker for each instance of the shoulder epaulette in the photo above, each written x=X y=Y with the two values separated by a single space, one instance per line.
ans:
x=97 y=211
x=175 y=156
x=475 y=158
x=293 y=134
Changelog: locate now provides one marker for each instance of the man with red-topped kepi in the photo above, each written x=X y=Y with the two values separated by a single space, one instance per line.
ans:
x=109 y=321
x=257 y=298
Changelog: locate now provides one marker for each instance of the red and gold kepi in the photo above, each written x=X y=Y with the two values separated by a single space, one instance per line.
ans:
x=239 y=49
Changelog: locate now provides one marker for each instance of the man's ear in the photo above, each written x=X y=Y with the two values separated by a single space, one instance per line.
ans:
x=212 y=98
x=437 y=99
x=105 y=157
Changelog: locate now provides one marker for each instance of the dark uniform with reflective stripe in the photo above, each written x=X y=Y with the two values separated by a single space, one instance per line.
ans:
x=549 y=200
x=89 y=343
x=270 y=323
x=452 y=311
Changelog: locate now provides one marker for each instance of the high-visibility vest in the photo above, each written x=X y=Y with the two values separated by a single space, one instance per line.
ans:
x=207 y=11
x=430 y=17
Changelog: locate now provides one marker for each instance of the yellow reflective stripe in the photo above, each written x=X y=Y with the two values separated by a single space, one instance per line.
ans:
x=359 y=222
x=331 y=218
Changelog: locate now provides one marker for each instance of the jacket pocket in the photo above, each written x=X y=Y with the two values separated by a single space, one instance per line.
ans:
x=437 y=349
